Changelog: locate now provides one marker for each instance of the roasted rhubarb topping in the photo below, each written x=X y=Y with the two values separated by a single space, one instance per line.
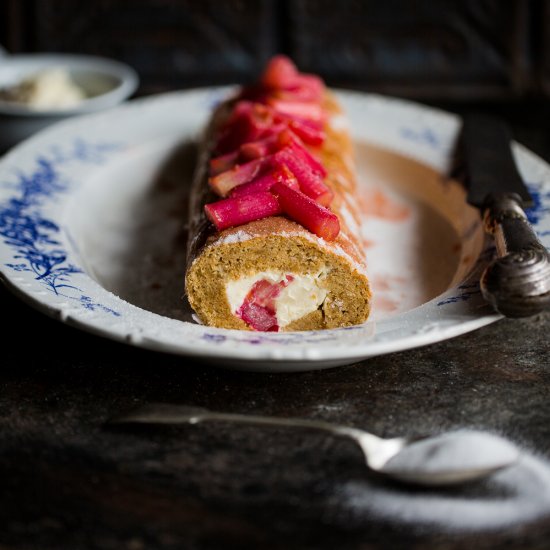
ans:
x=265 y=154
x=240 y=210
x=279 y=74
x=266 y=182
x=311 y=183
x=222 y=183
x=299 y=207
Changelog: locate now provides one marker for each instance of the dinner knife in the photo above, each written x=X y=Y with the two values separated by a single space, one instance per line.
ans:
x=517 y=282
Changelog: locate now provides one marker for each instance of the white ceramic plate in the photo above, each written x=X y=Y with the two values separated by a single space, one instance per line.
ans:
x=92 y=215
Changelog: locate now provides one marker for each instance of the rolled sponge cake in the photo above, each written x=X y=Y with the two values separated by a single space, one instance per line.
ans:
x=308 y=283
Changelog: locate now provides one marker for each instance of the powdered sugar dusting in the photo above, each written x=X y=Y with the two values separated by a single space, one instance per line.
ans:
x=515 y=495
x=237 y=237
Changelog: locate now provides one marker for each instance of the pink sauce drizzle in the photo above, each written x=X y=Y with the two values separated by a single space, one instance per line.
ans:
x=387 y=289
x=376 y=203
x=382 y=303
x=258 y=308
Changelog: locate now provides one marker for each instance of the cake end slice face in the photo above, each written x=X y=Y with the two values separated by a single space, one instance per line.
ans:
x=277 y=283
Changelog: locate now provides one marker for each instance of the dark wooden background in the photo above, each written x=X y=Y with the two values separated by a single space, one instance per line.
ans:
x=444 y=49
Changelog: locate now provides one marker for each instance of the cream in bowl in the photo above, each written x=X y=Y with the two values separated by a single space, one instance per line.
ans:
x=39 y=89
x=51 y=88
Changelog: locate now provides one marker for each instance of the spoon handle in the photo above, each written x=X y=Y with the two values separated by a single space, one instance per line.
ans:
x=160 y=413
x=376 y=451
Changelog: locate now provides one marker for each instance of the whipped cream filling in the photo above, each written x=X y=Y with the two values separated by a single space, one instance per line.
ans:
x=298 y=298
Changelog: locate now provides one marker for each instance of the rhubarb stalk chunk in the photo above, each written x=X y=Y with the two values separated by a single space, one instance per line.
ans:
x=310 y=214
x=240 y=210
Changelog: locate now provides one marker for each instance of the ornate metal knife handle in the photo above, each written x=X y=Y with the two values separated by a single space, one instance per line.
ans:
x=517 y=283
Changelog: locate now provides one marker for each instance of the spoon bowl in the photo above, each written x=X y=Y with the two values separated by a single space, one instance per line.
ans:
x=447 y=459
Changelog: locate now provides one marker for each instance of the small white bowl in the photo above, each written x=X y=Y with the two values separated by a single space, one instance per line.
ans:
x=106 y=83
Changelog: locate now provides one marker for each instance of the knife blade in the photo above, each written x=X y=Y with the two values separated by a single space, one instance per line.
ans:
x=490 y=165
x=517 y=282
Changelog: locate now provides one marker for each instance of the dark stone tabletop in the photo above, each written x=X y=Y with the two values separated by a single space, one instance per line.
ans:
x=70 y=482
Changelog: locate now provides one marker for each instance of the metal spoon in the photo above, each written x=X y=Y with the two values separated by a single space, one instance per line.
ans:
x=409 y=459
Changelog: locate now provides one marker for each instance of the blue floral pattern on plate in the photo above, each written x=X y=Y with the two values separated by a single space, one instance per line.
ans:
x=34 y=238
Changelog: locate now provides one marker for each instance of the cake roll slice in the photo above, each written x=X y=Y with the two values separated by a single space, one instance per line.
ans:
x=275 y=240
